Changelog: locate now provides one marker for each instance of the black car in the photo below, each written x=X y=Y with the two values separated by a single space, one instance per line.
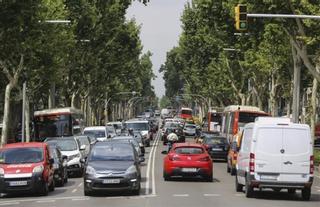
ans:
x=177 y=130
x=60 y=166
x=217 y=146
x=112 y=166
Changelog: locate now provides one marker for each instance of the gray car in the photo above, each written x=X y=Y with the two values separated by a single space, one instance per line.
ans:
x=112 y=166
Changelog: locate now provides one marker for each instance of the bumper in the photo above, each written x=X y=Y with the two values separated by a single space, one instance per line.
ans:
x=74 y=166
x=97 y=184
x=218 y=155
x=202 y=169
x=189 y=133
x=33 y=184
x=276 y=184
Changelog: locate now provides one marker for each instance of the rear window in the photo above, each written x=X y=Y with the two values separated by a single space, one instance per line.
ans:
x=95 y=133
x=188 y=150
x=21 y=155
x=215 y=140
x=188 y=112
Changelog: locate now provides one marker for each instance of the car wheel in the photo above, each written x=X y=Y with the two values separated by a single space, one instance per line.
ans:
x=239 y=187
x=52 y=186
x=248 y=190
x=45 y=189
x=166 y=176
x=306 y=194
x=137 y=191
x=88 y=192
x=209 y=179
x=291 y=191
x=60 y=183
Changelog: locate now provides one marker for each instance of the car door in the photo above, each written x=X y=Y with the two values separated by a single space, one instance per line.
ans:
x=268 y=156
x=296 y=154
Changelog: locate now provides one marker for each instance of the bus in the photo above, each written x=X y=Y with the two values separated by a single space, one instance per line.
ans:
x=57 y=122
x=214 y=121
x=235 y=117
x=186 y=113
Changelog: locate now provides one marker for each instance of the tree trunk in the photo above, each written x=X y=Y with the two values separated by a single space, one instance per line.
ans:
x=52 y=95
x=73 y=100
x=27 y=119
x=4 y=136
x=296 y=85
x=273 y=102
x=314 y=104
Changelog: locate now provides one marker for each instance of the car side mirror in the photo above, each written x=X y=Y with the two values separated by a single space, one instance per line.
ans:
x=164 y=152
x=82 y=160
x=51 y=161
x=83 y=147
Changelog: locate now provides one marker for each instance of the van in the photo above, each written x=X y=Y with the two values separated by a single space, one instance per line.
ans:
x=26 y=167
x=275 y=153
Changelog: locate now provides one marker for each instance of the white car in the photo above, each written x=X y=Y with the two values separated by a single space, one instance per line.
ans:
x=189 y=130
x=117 y=126
x=70 y=147
x=275 y=153
x=99 y=132
x=142 y=127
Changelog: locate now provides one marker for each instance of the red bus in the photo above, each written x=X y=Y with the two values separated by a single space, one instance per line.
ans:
x=235 y=117
x=186 y=113
x=57 y=123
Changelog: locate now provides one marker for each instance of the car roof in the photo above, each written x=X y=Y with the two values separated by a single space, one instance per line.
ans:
x=113 y=143
x=95 y=128
x=25 y=145
x=187 y=145
x=59 y=138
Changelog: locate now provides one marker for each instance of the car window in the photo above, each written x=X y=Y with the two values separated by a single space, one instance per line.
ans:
x=95 y=133
x=84 y=141
x=65 y=144
x=215 y=140
x=188 y=150
x=112 y=153
x=21 y=155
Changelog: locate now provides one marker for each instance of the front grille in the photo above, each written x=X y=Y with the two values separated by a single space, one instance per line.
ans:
x=118 y=185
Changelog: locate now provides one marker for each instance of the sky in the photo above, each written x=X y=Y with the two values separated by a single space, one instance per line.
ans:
x=160 y=30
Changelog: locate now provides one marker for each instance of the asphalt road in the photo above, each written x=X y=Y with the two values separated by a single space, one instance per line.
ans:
x=156 y=192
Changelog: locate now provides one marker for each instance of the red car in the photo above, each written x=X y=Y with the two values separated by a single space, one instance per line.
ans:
x=186 y=159
x=26 y=167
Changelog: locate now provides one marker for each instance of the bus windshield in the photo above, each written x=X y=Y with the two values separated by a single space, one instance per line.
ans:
x=187 y=112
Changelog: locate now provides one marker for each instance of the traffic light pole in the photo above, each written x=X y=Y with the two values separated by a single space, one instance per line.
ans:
x=293 y=16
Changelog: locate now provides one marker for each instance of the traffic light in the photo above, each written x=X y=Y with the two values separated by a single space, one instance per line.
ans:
x=241 y=17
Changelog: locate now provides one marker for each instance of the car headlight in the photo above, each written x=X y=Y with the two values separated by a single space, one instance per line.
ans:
x=90 y=170
x=71 y=157
x=131 y=170
x=1 y=171
x=38 y=169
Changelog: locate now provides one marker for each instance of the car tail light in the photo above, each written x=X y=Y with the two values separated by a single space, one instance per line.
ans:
x=204 y=159
x=251 y=163
x=311 y=164
x=172 y=158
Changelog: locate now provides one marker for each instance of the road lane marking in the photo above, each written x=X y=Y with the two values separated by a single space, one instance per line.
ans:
x=46 y=201
x=180 y=195
x=212 y=195
x=9 y=203
x=80 y=185
x=153 y=166
x=80 y=199
x=148 y=169
x=317 y=186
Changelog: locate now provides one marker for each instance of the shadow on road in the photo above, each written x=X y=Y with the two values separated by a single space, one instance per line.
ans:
x=283 y=195
x=192 y=179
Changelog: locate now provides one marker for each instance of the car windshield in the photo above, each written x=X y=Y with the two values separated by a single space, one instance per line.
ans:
x=137 y=126
x=171 y=125
x=65 y=144
x=110 y=130
x=190 y=126
x=95 y=133
x=215 y=140
x=112 y=152
x=21 y=155
x=188 y=150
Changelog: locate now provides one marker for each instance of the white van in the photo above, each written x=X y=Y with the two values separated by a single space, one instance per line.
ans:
x=275 y=153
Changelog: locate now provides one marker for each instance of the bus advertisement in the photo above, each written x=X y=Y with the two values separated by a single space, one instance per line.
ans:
x=57 y=122
x=214 y=121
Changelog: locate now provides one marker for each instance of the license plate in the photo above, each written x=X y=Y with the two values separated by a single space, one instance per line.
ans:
x=268 y=177
x=189 y=169
x=18 y=183
x=111 y=181
x=216 y=149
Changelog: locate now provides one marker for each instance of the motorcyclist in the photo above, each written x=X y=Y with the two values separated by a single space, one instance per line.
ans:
x=172 y=138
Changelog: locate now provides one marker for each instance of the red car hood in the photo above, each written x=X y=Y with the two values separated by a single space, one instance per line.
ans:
x=18 y=168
